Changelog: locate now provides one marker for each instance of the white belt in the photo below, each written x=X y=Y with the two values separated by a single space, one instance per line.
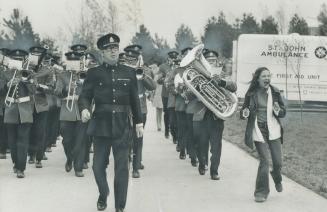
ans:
x=19 y=100
x=43 y=86
x=71 y=98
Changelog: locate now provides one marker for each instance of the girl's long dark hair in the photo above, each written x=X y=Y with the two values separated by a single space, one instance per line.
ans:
x=254 y=82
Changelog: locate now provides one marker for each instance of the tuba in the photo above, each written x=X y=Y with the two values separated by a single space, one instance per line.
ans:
x=197 y=78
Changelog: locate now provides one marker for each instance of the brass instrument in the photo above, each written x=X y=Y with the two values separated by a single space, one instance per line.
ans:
x=197 y=78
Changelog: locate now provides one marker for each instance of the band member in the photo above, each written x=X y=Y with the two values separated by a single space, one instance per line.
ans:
x=4 y=54
x=69 y=86
x=191 y=102
x=180 y=107
x=113 y=87
x=263 y=106
x=169 y=83
x=164 y=69
x=145 y=83
x=208 y=128
x=18 y=115
x=41 y=106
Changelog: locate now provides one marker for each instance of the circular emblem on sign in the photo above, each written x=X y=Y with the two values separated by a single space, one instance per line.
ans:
x=320 y=52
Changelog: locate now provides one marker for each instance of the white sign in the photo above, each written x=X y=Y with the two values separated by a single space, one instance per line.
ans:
x=298 y=64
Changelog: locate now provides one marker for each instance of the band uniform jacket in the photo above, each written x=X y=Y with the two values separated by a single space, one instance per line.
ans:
x=251 y=102
x=21 y=109
x=169 y=83
x=2 y=91
x=62 y=86
x=164 y=69
x=145 y=84
x=41 y=100
x=201 y=109
x=115 y=94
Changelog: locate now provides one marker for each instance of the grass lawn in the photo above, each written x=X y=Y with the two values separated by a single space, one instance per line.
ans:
x=304 y=148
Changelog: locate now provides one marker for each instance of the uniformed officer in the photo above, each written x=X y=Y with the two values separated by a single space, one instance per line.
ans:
x=41 y=107
x=113 y=87
x=18 y=115
x=145 y=83
x=68 y=87
x=4 y=54
x=207 y=127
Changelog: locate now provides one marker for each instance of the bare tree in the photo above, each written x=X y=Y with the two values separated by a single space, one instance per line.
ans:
x=134 y=13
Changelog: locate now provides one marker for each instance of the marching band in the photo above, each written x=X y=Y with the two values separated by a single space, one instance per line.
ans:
x=84 y=101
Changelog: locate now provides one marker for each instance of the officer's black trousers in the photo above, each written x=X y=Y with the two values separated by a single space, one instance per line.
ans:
x=173 y=122
x=38 y=135
x=137 y=146
x=18 y=138
x=181 y=133
x=208 y=130
x=190 y=141
x=3 y=137
x=53 y=124
x=74 y=141
x=88 y=145
x=102 y=146
x=166 y=114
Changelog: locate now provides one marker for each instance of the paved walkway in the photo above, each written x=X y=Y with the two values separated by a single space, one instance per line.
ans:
x=167 y=184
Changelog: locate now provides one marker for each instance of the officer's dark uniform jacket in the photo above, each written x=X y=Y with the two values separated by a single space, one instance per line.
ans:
x=115 y=94
x=62 y=86
x=201 y=109
x=147 y=83
x=2 y=90
x=21 y=109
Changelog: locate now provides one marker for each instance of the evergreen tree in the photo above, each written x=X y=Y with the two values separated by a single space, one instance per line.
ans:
x=184 y=38
x=322 y=18
x=269 y=26
x=219 y=35
x=144 y=39
x=298 y=25
x=162 y=48
x=249 y=25
x=20 y=33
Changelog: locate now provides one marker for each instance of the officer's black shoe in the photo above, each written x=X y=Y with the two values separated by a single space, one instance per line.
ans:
x=182 y=156
x=119 y=210
x=101 y=205
x=202 y=171
x=38 y=164
x=20 y=174
x=45 y=157
x=68 y=166
x=141 y=166
x=279 y=187
x=79 y=174
x=3 y=156
x=166 y=134
x=85 y=166
x=215 y=177
x=31 y=160
x=136 y=174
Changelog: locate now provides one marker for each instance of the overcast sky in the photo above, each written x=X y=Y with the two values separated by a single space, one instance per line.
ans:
x=160 y=16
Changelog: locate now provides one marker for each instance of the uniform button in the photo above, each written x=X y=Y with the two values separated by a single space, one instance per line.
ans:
x=114 y=100
x=113 y=70
x=113 y=80
x=113 y=111
x=113 y=90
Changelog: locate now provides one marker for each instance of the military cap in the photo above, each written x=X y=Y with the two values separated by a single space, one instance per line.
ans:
x=5 y=51
x=173 y=54
x=18 y=54
x=90 y=56
x=137 y=48
x=210 y=53
x=132 y=53
x=73 y=55
x=186 y=50
x=37 y=50
x=78 y=48
x=108 y=40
